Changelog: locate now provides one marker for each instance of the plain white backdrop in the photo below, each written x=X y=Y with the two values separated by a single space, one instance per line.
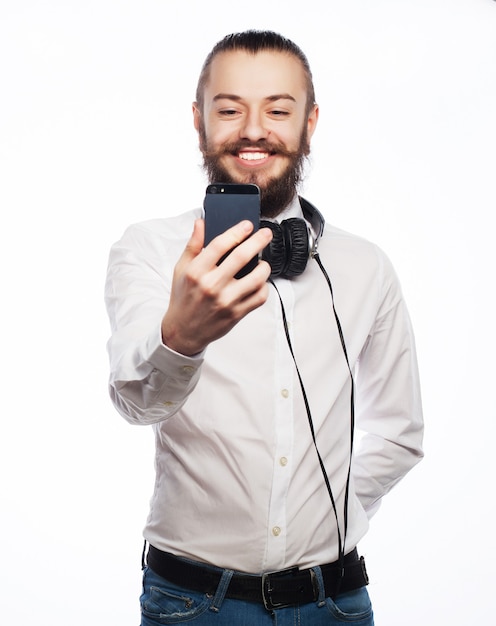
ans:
x=96 y=133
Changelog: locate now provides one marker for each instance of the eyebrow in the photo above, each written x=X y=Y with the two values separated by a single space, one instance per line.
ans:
x=235 y=98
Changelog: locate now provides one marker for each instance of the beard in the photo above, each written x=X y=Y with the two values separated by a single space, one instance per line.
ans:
x=275 y=192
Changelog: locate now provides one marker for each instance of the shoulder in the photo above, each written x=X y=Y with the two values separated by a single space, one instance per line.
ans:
x=356 y=258
x=160 y=236
x=177 y=227
x=340 y=242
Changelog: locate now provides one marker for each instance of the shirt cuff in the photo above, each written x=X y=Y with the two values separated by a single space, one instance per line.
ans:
x=167 y=360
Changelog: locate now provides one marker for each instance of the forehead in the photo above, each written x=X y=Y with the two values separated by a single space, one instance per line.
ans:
x=258 y=75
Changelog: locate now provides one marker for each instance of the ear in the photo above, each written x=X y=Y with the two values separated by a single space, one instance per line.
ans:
x=196 y=116
x=312 y=120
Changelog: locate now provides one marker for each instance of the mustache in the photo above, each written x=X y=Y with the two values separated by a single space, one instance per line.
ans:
x=235 y=147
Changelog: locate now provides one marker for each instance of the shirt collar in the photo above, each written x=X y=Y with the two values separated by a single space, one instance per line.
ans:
x=293 y=209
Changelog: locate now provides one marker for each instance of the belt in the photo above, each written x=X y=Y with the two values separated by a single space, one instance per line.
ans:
x=275 y=590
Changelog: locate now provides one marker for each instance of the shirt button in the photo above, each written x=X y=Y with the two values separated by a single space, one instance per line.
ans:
x=285 y=393
x=276 y=531
x=188 y=369
x=283 y=461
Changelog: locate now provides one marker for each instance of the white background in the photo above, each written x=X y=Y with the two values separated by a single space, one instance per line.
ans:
x=96 y=133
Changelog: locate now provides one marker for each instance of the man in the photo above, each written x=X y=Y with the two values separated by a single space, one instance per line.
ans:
x=253 y=385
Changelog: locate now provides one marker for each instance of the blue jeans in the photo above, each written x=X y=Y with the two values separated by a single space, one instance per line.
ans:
x=165 y=603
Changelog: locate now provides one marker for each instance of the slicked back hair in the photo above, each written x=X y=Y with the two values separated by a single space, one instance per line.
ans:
x=254 y=41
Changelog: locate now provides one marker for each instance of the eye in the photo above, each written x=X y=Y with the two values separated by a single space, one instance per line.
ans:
x=279 y=113
x=228 y=112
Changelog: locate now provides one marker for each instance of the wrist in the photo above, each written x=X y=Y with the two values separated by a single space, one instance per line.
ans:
x=171 y=337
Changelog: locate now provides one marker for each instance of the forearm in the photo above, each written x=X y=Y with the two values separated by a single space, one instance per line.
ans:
x=380 y=464
x=149 y=382
x=388 y=405
x=162 y=314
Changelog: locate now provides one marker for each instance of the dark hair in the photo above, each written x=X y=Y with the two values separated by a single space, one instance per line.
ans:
x=256 y=41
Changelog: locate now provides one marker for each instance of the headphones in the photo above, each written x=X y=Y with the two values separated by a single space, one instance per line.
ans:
x=293 y=241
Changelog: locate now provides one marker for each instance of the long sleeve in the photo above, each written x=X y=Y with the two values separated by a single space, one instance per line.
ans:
x=148 y=382
x=388 y=399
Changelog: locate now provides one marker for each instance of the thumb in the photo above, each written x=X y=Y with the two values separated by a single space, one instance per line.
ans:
x=195 y=243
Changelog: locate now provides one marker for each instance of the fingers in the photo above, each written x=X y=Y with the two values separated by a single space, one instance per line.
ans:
x=236 y=238
x=206 y=300
x=195 y=243
x=243 y=246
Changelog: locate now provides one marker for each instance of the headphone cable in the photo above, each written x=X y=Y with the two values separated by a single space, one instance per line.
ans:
x=341 y=538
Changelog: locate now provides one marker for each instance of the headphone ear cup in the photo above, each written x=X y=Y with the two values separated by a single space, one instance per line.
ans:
x=296 y=238
x=275 y=252
x=288 y=252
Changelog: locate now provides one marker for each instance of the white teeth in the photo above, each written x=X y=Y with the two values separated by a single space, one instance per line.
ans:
x=253 y=156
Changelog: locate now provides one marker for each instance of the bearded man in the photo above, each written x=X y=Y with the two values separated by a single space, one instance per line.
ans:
x=254 y=386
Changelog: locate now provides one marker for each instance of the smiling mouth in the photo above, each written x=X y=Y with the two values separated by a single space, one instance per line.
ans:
x=253 y=156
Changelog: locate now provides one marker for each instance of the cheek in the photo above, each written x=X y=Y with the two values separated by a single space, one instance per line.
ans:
x=292 y=137
x=217 y=133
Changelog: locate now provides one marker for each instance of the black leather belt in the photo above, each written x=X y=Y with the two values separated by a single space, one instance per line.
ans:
x=275 y=590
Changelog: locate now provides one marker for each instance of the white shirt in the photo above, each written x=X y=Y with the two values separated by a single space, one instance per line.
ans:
x=238 y=483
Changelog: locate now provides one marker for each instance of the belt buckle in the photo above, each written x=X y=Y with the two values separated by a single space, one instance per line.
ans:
x=267 y=587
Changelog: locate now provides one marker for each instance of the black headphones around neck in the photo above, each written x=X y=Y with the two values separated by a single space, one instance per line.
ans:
x=293 y=241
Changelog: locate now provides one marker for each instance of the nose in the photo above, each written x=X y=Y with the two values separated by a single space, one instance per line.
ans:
x=253 y=127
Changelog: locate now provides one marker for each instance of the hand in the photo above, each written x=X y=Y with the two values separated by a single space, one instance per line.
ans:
x=206 y=300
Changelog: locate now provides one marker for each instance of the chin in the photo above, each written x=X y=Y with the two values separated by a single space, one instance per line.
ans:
x=261 y=178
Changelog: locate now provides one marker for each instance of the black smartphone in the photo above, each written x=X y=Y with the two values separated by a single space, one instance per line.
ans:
x=226 y=205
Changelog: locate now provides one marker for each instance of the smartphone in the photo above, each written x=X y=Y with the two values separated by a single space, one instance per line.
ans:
x=226 y=205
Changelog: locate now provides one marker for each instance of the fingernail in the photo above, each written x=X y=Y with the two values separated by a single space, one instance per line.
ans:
x=247 y=226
